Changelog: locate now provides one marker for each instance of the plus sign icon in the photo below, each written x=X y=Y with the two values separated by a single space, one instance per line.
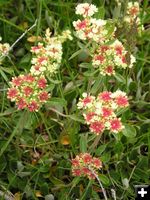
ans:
x=142 y=192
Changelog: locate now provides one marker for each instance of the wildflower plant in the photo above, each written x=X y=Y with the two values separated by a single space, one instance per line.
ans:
x=85 y=165
x=101 y=113
x=28 y=92
x=133 y=15
x=107 y=52
x=47 y=55
x=108 y=57
x=90 y=28
x=36 y=149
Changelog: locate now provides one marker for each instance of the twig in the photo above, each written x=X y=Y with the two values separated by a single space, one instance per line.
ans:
x=12 y=46
x=100 y=183
x=113 y=192
x=59 y=113
x=6 y=195
x=128 y=181
x=95 y=143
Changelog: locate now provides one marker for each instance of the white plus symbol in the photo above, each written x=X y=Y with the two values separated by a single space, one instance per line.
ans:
x=142 y=192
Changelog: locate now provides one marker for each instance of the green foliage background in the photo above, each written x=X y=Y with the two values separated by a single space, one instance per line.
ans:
x=36 y=148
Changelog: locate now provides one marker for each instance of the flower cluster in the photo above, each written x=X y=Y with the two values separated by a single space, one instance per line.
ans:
x=86 y=165
x=101 y=112
x=109 y=56
x=108 y=52
x=47 y=55
x=4 y=49
x=90 y=28
x=133 y=12
x=28 y=91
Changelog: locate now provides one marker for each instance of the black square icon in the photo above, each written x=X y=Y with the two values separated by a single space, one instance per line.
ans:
x=142 y=192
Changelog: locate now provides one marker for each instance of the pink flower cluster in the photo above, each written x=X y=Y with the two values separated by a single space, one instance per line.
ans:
x=109 y=56
x=86 y=165
x=90 y=28
x=101 y=113
x=28 y=91
x=107 y=53
x=47 y=55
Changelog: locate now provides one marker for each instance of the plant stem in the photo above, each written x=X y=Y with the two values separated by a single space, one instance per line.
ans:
x=6 y=196
x=100 y=183
x=12 y=46
x=18 y=126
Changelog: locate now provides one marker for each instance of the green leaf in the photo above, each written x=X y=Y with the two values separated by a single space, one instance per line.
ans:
x=116 y=12
x=101 y=13
x=105 y=157
x=129 y=131
x=100 y=149
x=3 y=163
x=75 y=54
x=83 y=143
x=120 y=78
x=44 y=188
x=7 y=70
x=54 y=101
x=25 y=59
x=76 y=118
x=104 y=179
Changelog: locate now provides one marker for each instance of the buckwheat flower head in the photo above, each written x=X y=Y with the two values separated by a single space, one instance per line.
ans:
x=47 y=55
x=86 y=10
x=91 y=29
x=46 y=59
x=28 y=91
x=100 y=112
x=86 y=102
x=4 y=49
x=85 y=165
x=108 y=57
x=133 y=16
x=66 y=34
x=132 y=61
x=133 y=9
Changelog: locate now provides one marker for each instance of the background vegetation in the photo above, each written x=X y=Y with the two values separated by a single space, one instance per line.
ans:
x=36 y=148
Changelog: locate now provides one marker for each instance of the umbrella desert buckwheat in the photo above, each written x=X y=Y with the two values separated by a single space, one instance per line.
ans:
x=90 y=28
x=86 y=165
x=108 y=57
x=28 y=91
x=101 y=113
x=47 y=55
x=133 y=15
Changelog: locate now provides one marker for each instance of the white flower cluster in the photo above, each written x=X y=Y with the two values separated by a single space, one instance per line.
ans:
x=133 y=11
x=90 y=28
x=48 y=55
x=109 y=56
x=86 y=10
x=4 y=49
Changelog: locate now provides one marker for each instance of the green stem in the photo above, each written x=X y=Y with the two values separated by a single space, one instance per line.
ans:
x=86 y=190
x=39 y=12
x=17 y=128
